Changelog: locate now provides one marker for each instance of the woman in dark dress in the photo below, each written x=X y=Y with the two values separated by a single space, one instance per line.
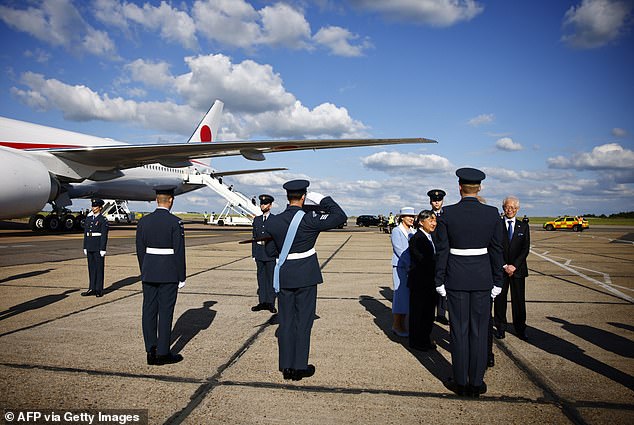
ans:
x=423 y=295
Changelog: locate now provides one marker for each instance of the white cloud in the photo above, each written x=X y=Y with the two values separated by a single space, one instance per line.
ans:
x=407 y=163
x=507 y=144
x=58 y=23
x=229 y=22
x=439 y=13
x=595 y=23
x=38 y=55
x=604 y=157
x=150 y=73
x=619 y=132
x=481 y=119
x=284 y=26
x=339 y=41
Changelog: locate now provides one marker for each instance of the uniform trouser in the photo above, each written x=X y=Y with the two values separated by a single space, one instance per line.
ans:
x=158 y=310
x=266 y=293
x=441 y=306
x=469 y=314
x=96 y=265
x=422 y=302
x=518 y=304
x=296 y=315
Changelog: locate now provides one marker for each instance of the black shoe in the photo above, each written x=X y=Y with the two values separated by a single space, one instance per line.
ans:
x=523 y=336
x=271 y=308
x=491 y=360
x=442 y=319
x=88 y=293
x=151 y=356
x=98 y=294
x=259 y=307
x=474 y=391
x=288 y=373
x=500 y=335
x=424 y=347
x=167 y=359
x=460 y=390
x=304 y=373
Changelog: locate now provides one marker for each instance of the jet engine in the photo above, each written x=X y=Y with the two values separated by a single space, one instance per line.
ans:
x=25 y=184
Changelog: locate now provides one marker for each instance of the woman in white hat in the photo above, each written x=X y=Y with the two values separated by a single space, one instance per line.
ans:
x=400 y=267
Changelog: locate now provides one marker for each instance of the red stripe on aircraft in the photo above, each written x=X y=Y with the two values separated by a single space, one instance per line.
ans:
x=205 y=134
x=23 y=146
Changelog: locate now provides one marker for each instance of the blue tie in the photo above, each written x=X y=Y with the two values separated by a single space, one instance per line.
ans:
x=510 y=230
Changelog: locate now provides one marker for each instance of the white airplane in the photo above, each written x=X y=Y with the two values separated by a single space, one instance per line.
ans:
x=40 y=165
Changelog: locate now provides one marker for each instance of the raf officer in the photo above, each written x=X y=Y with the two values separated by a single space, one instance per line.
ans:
x=436 y=199
x=264 y=262
x=160 y=249
x=95 y=241
x=469 y=273
x=297 y=272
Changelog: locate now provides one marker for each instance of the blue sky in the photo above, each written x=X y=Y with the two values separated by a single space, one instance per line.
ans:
x=538 y=94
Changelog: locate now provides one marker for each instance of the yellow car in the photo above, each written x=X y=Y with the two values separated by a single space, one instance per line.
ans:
x=577 y=224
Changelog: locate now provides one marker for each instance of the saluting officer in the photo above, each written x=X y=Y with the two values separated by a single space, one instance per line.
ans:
x=297 y=272
x=264 y=262
x=160 y=249
x=469 y=273
x=436 y=199
x=95 y=241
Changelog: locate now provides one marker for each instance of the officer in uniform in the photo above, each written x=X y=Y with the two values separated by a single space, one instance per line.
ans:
x=160 y=249
x=436 y=198
x=264 y=262
x=95 y=241
x=297 y=272
x=469 y=273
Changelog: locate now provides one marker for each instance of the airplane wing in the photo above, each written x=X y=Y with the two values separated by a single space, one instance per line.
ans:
x=178 y=155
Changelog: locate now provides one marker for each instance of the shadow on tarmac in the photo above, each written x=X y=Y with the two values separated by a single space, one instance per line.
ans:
x=25 y=275
x=569 y=351
x=34 y=304
x=606 y=340
x=190 y=324
x=432 y=360
x=122 y=284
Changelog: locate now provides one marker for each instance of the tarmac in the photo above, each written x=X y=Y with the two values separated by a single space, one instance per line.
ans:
x=60 y=351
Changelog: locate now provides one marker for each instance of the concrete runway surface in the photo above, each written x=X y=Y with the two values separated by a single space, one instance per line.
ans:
x=63 y=351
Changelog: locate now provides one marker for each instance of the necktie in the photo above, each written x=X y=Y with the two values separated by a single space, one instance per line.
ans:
x=510 y=229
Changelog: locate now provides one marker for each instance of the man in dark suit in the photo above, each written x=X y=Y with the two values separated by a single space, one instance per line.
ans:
x=469 y=273
x=294 y=233
x=516 y=245
x=265 y=263
x=436 y=199
x=95 y=241
x=160 y=249
x=420 y=281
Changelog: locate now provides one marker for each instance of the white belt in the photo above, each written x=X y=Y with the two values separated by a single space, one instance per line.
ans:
x=260 y=242
x=93 y=234
x=468 y=252
x=298 y=255
x=159 y=251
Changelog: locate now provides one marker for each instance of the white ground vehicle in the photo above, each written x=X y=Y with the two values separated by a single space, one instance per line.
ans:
x=117 y=212
x=225 y=218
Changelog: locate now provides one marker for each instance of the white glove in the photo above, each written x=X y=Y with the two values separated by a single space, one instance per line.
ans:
x=85 y=252
x=495 y=291
x=314 y=198
x=102 y=253
x=181 y=284
x=441 y=290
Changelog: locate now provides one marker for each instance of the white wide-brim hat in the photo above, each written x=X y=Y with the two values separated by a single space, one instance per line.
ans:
x=407 y=211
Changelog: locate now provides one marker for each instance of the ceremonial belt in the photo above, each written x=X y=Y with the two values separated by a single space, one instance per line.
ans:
x=159 y=251
x=298 y=255
x=93 y=234
x=288 y=241
x=468 y=252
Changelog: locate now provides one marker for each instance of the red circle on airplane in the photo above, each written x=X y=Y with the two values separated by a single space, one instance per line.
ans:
x=205 y=134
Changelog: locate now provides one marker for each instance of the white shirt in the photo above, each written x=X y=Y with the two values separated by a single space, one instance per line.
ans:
x=506 y=221
x=430 y=239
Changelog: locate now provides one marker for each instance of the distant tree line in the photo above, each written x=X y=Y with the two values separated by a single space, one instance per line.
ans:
x=629 y=214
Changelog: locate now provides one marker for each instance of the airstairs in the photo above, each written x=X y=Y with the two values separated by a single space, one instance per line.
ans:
x=237 y=202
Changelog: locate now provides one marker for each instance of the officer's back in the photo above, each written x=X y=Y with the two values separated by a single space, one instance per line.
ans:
x=161 y=230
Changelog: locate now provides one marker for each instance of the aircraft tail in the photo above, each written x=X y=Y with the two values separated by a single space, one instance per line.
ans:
x=207 y=129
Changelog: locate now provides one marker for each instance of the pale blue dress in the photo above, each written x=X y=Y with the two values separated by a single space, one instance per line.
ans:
x=400 y=268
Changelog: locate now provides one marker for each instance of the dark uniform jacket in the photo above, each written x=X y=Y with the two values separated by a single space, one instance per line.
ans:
x=162 y=230
x=516 y=251
x=95 y=224
x=423 y=263
x=304 y=271
x=469 y=224
x=258 y=250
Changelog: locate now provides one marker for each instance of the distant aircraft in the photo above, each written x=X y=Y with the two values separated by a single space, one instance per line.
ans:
x=40 y=165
